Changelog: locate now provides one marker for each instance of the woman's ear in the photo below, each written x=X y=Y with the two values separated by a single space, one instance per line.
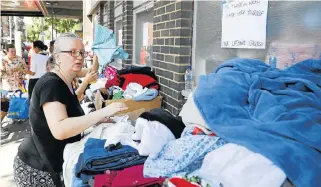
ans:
x=57 y=59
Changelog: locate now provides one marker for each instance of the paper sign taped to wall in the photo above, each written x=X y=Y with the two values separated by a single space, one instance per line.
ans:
x=244 y=24
x=120 y=37
x=145 y=34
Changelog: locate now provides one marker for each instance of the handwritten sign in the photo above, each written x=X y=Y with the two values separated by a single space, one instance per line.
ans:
x=244 y=24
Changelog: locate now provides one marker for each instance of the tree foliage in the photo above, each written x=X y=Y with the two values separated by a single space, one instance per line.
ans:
x=34 y=30
x=63 y=25
x=60 y=25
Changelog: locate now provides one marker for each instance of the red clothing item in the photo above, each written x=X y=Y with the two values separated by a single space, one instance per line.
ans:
x=179 y=182
x=132 y=176
x=197 y=131
x=144 y=80
x=105 y=179
x=114 y=82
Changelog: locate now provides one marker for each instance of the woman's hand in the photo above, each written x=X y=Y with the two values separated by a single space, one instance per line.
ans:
x=91 y=76
x=107 y=120
x=113 y=108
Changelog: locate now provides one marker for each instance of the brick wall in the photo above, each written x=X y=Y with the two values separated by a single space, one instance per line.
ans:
x=172 y=46
x=100 y=13
x=127 y=27
x=109 y=13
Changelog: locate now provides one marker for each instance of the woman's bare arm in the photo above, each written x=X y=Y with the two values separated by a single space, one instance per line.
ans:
x=63 y=127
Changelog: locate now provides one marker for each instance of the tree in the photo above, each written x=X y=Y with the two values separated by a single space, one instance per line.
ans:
x=63 y=25
x=60 y=25
x=34 y=30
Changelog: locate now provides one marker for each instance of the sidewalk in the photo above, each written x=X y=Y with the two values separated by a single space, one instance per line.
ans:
x=8 y=150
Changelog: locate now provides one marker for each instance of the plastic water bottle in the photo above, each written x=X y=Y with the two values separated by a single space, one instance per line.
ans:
x=188 y=79
x=273 y=62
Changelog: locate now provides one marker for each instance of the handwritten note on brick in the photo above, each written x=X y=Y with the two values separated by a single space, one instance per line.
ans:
x=244 y=24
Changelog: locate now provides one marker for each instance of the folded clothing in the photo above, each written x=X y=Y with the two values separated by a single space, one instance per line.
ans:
x=97 y=85
x=134 y=89
x=105 y=180
x=123 y=138
x=73 y=150
x=113 y=82
x=187 y=181
x=174 y=124
x=132 y=176
x=181 y=156
x=96 y=158
x=118 y=95
x=191 y=115
x=137 y=70
x=144 y=80
x=149 y=95
x=153 y=135
x=110 y=72
x=233 y=165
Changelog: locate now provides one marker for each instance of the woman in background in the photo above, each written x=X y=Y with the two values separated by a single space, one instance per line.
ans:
x=38 y=64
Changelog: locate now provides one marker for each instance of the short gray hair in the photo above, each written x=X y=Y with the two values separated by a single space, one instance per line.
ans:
x=61 y=40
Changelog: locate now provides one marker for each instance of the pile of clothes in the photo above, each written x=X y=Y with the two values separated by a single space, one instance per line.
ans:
x=245 y=125
x=137 y=83
x=164 y=151
x=106 y=157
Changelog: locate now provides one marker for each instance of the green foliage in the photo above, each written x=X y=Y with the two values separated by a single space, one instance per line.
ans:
x=34 y=30
x=60 y=25
x=63 y=25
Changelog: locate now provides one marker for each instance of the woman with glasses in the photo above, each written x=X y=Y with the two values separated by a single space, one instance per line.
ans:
x=56 y=117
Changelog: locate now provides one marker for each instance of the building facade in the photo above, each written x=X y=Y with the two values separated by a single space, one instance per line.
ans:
x=169 y=36
x=156 y=34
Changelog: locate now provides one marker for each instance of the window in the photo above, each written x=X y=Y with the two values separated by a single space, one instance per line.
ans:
x=117 y=63
x=290 y=25
x=143 y=35
x=117 y=2
x=105 y=7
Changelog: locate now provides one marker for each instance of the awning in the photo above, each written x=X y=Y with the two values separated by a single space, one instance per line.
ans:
x=33 y=8
x=47 y=8
x=64 y=9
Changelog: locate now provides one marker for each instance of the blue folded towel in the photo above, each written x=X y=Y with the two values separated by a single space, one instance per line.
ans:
x=105 y=47
x=149 y=95
x=276 y=113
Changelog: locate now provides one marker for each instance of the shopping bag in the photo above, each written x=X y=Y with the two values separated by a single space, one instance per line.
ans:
x=18 y=107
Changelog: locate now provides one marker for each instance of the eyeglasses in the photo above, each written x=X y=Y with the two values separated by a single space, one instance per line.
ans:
x=77 y=53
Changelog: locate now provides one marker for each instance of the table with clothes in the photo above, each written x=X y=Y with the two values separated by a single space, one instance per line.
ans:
x=246 y=124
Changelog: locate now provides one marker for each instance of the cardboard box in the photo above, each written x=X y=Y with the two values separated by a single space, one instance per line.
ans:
x=136 y=105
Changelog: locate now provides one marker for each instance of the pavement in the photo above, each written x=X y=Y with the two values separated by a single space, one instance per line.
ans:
x=8 y=150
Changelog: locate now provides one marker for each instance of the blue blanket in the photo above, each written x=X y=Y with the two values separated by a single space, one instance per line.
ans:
x=273 y=112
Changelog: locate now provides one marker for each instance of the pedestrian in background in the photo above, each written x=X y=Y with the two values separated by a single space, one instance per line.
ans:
x=38 y=65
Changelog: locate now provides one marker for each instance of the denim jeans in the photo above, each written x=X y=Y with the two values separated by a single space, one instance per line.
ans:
x=96 y=159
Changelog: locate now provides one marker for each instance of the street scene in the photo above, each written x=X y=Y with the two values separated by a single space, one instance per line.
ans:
x=157 y=93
